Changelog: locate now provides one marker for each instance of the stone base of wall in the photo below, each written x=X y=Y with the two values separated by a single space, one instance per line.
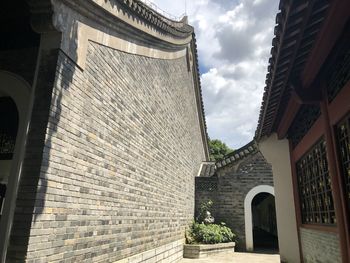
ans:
x=319 y=246
x=168 y=253
x=201 y=251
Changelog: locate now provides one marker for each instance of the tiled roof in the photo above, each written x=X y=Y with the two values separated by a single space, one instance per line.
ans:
x=201 y=104
x=238 y=155
x=177 y=28
x=297 y=26
x=209 y=168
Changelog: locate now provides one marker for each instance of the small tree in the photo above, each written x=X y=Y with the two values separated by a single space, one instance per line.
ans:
x=218 y=149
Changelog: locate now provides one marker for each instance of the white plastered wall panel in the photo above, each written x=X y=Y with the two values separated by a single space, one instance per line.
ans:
x=19 y=90
x=277 y=154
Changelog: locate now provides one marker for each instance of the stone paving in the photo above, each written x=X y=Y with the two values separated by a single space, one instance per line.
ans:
x=236 y=257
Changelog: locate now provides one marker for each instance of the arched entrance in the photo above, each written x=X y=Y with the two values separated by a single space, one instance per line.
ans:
x=14 y=119
x=259 y=212
x=264 y=222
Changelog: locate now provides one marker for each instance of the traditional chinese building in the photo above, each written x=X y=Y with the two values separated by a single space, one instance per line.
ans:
x=304 y=129
x=102 y=131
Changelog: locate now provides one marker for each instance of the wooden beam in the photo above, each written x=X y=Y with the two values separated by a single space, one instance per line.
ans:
x=288 y=116
x=332 y=29
x=336 y=184
x=337 y=110
x=306 y=95
x=299 y=96
x=340 y=105
x=306 y=16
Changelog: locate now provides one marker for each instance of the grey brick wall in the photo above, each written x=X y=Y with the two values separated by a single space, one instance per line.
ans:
x=320 y=247
x=234 y=182
x=122 y=148
x=32 y=184
x=205 y=191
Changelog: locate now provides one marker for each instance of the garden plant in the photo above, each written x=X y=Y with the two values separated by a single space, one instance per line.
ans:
x=203 y=230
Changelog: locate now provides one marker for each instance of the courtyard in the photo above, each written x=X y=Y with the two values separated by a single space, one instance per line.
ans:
x=110 y=114
x=237 y=257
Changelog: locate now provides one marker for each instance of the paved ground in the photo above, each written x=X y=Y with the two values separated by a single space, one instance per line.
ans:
x=237 y=257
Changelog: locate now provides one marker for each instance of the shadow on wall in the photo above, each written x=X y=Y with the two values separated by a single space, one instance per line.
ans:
x=51 y=130
x=52 y=79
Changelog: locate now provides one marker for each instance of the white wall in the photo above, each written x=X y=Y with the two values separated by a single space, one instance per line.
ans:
x=277 y=154
x=19 y=90
x=248 y=221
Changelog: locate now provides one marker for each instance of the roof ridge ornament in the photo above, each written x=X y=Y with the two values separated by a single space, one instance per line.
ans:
x=162 y=12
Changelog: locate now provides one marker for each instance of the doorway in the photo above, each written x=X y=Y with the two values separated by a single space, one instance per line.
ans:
x=8 y=135
x=264 y=223
x=259 y=196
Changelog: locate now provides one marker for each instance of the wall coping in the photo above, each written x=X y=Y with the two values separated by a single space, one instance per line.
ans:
x=203 y=250
x=211 y=246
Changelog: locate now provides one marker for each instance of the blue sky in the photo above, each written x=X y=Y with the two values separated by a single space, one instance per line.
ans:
x=234 y=41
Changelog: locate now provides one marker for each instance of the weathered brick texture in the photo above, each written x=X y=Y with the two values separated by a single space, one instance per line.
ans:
x=319 y=246
x=234 y=181
x=31 y=187
x=122 y=148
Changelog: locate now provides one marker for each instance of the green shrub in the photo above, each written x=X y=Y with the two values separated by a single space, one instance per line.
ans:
x=202 y=213
x=209 y=234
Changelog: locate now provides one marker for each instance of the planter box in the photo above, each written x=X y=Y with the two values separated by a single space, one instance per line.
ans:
x=201 y=251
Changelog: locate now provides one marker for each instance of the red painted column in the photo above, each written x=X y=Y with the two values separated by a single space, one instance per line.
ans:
x=337 y=190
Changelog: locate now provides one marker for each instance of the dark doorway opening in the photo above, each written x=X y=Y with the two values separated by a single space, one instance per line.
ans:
x=8 y=134
x=19 y=43
x=264 y=223
x=19 y=49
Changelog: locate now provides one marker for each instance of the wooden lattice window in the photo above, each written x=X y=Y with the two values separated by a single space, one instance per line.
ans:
x=314 y=185
x=336 y=70
x=343 y=137
x=305 y=118
x=340 y=76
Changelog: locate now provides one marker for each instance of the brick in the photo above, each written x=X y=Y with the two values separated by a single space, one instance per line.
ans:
x=320 y=246
x=111 y=157
x=234 y=181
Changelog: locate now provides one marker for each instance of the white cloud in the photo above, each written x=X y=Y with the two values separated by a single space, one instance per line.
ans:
x=234 y=41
